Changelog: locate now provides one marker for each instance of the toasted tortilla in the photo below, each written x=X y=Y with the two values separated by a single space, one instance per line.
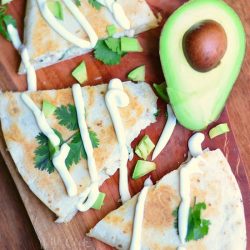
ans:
x=20 y=129
x=46 y=47
x=216 y=186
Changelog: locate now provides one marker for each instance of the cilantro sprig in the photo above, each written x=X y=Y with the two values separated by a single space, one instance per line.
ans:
x=95 y=4
x=5 y=20
x=43 y=153
x=67 y=117
x=197 y=227
x=107 y=51
x=111 y=50
x=78 y=2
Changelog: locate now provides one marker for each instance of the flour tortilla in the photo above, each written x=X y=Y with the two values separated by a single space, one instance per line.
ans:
x=216 y=186
x=20 y=129
x=46 y=47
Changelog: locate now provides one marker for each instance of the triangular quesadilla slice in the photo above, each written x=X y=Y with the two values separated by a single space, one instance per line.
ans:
x=215 y=186
x=47 y=47
x=29 y=148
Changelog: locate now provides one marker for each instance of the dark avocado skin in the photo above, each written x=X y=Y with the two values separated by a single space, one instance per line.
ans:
x=198 y=90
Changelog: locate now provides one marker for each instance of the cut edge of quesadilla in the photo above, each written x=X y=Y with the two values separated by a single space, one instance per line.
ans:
x=216 y=187
x=45 y=52
x=20 y=129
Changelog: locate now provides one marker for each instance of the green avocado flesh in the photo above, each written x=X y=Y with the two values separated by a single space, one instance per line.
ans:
x=99 y=202
x=5 y=1
x=56 y=8
x=138 y=74
x=144 y=147
x=80 y=73
x=142 y=168
x=198 y=98
x=48 y=108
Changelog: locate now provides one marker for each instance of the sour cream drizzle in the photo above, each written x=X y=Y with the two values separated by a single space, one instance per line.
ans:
x=59 y=163
x=60 y=157
x=117 y=98
x=54 y=23
x=31 y=73
x=190 y=168
x=138 y=217
x=118 y=13
x=166 y=133
x=91 y=194
x=194 y=144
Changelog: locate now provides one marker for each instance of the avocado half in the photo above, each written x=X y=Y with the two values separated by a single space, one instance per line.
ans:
x=198 y=98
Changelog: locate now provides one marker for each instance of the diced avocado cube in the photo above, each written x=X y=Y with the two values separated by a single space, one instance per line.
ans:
x=5 y=1
x=111 y=29
x=144 y=147
x=219 y=130
x=48 y=108
x=56 y=8
x=99 y=202
x=161 y=90
x=80 y=73
x=142 y=168
x=130 y=44
x=138 y=74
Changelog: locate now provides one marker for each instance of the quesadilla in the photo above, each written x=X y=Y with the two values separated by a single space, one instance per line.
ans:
x=47 y=47
x=215 y=186
x=29 y=148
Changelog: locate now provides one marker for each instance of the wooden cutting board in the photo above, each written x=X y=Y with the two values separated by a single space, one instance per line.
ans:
x=72 y=235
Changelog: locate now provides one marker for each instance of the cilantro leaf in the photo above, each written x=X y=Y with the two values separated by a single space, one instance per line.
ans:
x=43 y=153
x=77 y=150
x=5 y=20
x=105 y=54
x=95 y=4
x=197 y=227
x=67 y=116
x=94 y=139
x=78 y=2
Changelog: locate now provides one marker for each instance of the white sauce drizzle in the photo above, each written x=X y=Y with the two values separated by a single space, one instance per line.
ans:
x=91 y=194
x=41 y=120
x=181 y=248
x=194 y=144
x=166 y=133
x=185 y=172
x=116 y=97
x=54 y=23
x=138 y=217
x=118 y=13
x=60 y=157
x=59 y=163
x=31 y=73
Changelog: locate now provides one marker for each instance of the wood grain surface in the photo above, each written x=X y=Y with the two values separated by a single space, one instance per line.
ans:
x=16 y=231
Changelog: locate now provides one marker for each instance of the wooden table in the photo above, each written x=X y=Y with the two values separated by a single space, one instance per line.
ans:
x=16 y=231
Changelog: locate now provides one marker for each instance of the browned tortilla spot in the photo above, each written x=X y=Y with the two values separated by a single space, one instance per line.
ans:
x=39 y=39
x=130 y=113
x=160 y=204
x=126 y=227
x=13 y=108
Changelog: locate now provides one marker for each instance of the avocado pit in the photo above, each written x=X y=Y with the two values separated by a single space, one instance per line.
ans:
x=204 y=45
